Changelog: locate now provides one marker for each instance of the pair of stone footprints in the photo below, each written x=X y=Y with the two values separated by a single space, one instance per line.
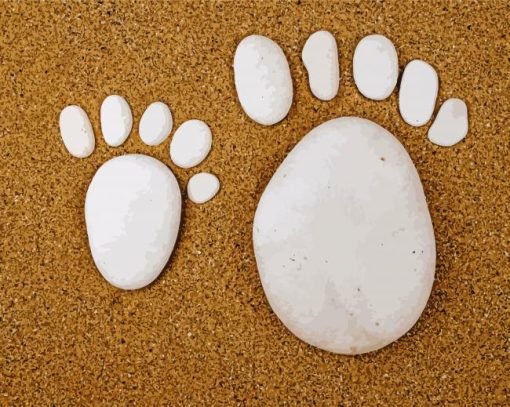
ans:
x=342 y=235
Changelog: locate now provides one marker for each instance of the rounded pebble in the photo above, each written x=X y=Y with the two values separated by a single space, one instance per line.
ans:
x=375 y=67
x=343 y=238
x=203 y=187
x=191 y=143
x=116 y=120
x=132 y=213
x=156 y=124
x=418 y=93
x=76 y=131
x=320 y=57
x=262 y=79
x=451 y=123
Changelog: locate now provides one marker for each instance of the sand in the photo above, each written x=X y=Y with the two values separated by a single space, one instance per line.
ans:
x=203 y=333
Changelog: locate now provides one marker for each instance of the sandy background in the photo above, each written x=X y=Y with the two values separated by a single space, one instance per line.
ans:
x=203 y=333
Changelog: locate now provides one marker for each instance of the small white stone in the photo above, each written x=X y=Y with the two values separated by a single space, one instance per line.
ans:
x=343 y=238
x=203 y=187
x=375 y=67
x=132 y=213
x=320 y=57
x=116 y=120
x=418 y=93
x=191 y=143
x=451 y=123
x=156 y=124
x=76 y=131
x=262 y=79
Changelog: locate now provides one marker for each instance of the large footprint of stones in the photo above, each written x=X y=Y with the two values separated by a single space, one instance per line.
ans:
x=133 y=203
x=342 y=235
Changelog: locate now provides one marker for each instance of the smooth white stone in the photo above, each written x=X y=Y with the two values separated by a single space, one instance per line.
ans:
x=156 y=124
x=375 y=67
x=262 y=79
x=203 y=187
x=132 y=212
x=191 y=143
x=451 y=123
x=343 y=238
x=116 y=120
x=320 y=57
x=76 y=131
x=418 y=93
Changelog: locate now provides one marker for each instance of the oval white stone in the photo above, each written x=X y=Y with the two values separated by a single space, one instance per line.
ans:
x=320 y=57
x=116 y=120
x=76 y=131
x=203 y=187
x=191 y=143
x=132 y=212
x=375 y=67
x=418 y=93
x=262 y=79
x=451 y=123
x=343 y=238
x=156 y=124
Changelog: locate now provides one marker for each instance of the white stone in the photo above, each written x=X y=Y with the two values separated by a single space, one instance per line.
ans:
x=116 y=120
x=320 y=57
x=203 y=187
x=343 y=238
x=156 y=124
x=375 y=67
x=191 y=143
x=418 y=93
x=451 y=123
x=262 y=79
x=132 y=212
x=76 y=131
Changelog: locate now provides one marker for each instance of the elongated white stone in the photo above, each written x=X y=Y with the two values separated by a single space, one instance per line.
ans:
x=418 y=93
x=375 y=67
x=343 y=238
x=191 y=143
x=262 y=79
x=320 y=57
x=132 y=212
x=116 y=120
x=76 y=131
x=156 y=124
x=203 y=187
x=451 y=123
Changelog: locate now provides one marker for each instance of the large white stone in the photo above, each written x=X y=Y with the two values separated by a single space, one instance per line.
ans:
x=262 y=79
x=320 y=57
x=451 y=123
x=132 y=212
x=375 y=67
x=343 y=238
x=418 y=93
x=76 y=131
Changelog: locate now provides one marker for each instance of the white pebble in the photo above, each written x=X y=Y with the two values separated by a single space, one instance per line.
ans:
x=262 y=79
x=418 y=93
x=116 y=120
x=375 y=67
x=203 y=187
x=191 y=143
x=156 y=124
x=132 y=212
x=343 y=238
x=320 y=57
x=451 y=123
x=76 y=131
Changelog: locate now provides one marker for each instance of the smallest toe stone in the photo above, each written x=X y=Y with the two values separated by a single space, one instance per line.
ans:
x=451 y=123
x=203 y=187
x=76 y=131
